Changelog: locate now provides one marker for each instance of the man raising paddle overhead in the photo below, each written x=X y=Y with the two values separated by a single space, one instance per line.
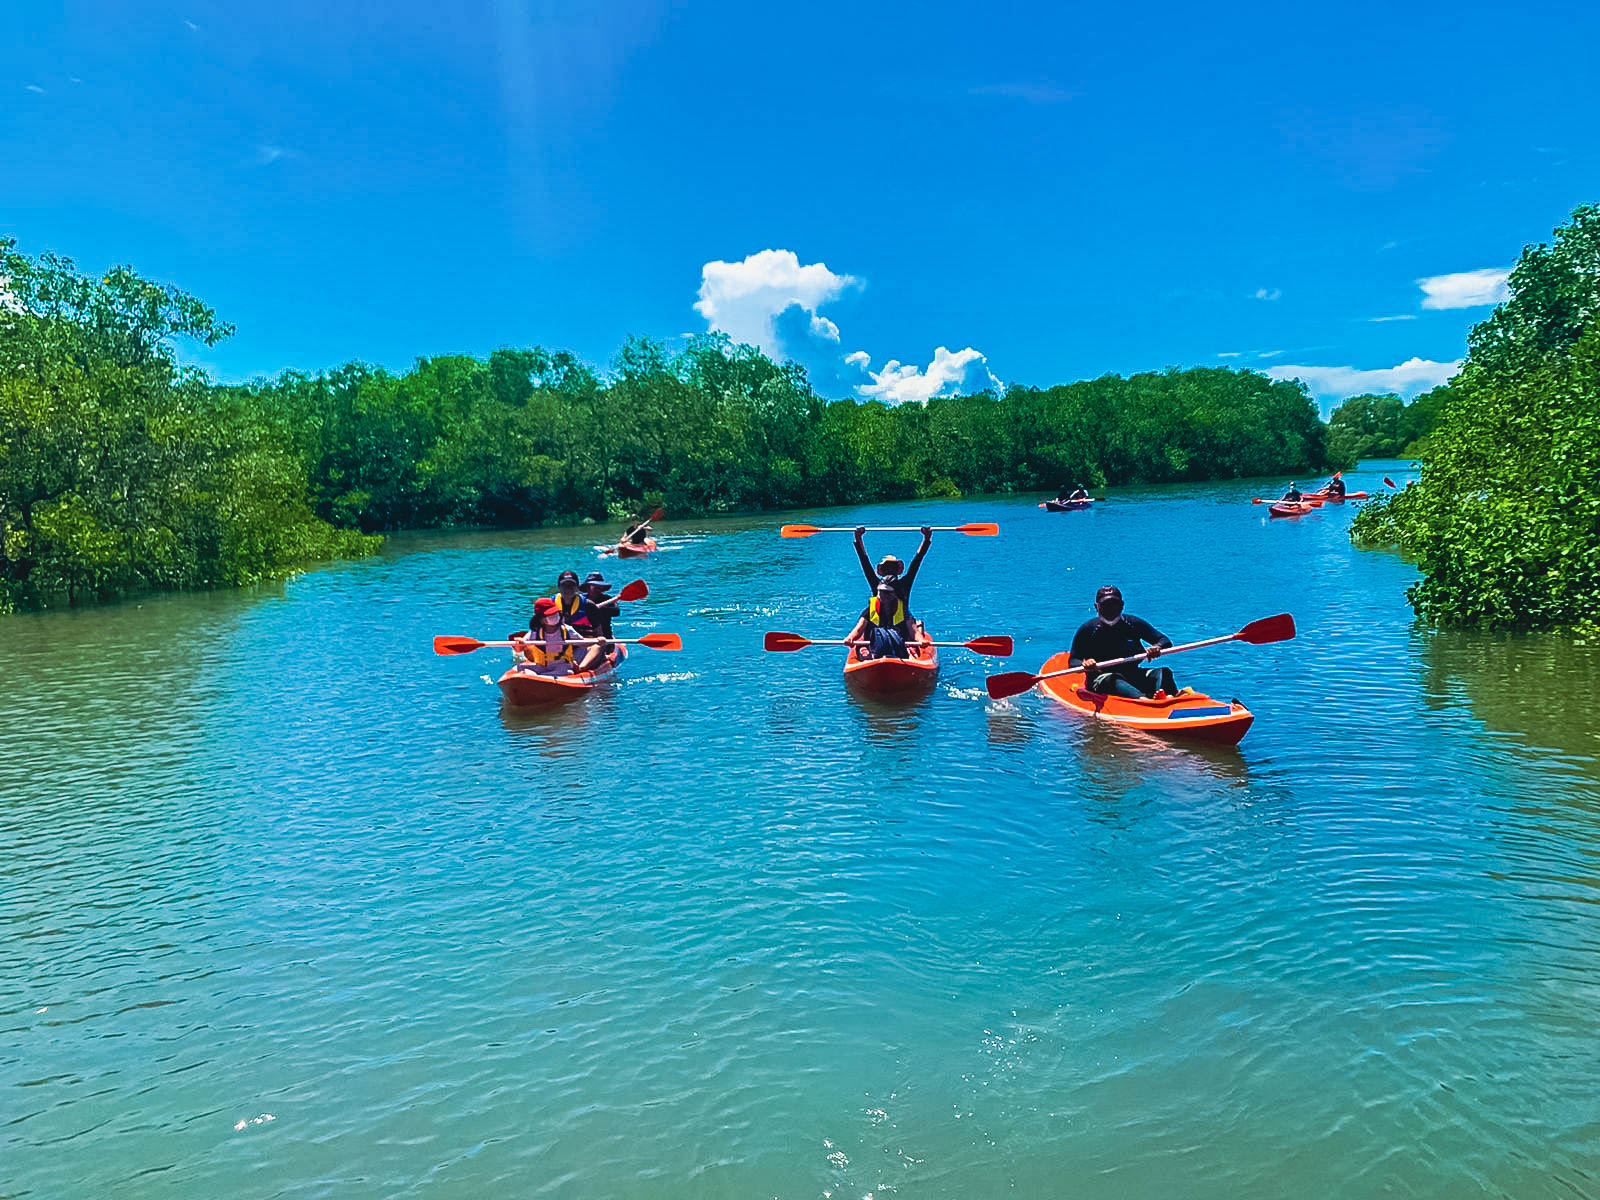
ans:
x=1115 y=634
x=890 y=569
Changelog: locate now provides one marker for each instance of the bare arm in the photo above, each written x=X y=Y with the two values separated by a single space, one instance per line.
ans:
x=861 y=553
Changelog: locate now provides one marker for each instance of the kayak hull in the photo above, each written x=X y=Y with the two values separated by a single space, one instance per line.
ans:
x=526 y=689
x=1190 y=715
x=893 y=676
x=1066 y=505
x=1288 y=510
x=629 y=550
x=1335 y=499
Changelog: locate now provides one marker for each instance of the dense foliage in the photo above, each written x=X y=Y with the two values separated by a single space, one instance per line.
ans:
x=1505 y=522
x=119 y=470
x=1371 y=426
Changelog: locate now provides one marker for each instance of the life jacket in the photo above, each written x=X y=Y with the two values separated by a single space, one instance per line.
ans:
x=575 y=614
x=540 y=657
x=875 y=615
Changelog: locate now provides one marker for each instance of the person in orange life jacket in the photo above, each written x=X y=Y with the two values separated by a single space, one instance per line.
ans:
x=576 y=608
x=885 y=628
x=1115 y=634
x=547 y=648
x=602 y=609
x=890 y=569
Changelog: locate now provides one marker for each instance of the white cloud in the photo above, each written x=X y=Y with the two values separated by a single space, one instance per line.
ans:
x=271 y=154
x=859 y=358
x=1465 y=289
x=965 y=370
x=742 y=299
x=1268 y=294
x=1230 y=354
x=34 y=88
x=191 y=24
x=1409 y=378
x=1396 y=317
x=1268 y=353
x=1033 y=93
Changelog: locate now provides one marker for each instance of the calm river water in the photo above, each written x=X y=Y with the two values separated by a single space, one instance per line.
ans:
x=290 y=908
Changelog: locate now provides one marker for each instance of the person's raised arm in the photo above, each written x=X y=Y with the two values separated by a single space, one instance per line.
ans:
x=916 y=559
x=861 y=553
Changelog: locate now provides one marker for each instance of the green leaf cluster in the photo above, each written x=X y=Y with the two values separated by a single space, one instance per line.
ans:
x=1374 y=426
x=1505 y=521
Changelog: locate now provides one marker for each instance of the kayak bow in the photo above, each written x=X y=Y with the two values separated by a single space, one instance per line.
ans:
x=522 y=687
x=893 y=676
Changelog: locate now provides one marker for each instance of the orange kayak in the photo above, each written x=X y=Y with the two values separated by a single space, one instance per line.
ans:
x=893 y=676
x=524 y=688
x=1189 y=714
x=1284 y=509
x=629 y=550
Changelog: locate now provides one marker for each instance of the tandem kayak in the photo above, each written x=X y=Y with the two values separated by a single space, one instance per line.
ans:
x=630 y=550
x=1189 y=714
x=1285 y=509
x=1066 y=505
x=893 y=676
x=1334 y=499
x=522 y=687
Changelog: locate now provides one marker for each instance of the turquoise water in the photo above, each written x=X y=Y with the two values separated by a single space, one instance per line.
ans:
x=291 y=908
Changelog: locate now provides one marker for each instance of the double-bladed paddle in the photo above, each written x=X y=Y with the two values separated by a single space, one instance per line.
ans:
x=449 y=644
x=1315 y=501
x=1258 y=633
x=976 y=529
x=996 y=645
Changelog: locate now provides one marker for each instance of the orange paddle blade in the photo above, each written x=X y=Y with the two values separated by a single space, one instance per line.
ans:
x=1268 y=629
x=797 y=531
x=637 y=590
x=979 y=529
x=445 y=644
x=661 y=641
x=997 y=645
x=1012 y=683
x=784 y=641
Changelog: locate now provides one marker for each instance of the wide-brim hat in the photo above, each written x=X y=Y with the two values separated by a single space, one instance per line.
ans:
x=598 y=580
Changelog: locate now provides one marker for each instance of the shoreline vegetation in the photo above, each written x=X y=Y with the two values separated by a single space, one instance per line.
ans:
x=122 y=471
x=1504 y=523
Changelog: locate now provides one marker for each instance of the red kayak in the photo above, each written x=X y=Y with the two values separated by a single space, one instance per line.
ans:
x=522 y=687
x=1334 y=499
x=1285 y=509
x=1189 y=714
x=893 y=676
x=634 y=550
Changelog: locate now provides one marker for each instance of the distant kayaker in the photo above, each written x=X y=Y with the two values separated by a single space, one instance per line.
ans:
x=576 y=609
x=547 y=648
x=885 y=627
x=603 y=608
x=1067 y=495
x=1335 y=488
x=637 y=534
x=1292 y=496
x=1114 y=634
x=890 y=569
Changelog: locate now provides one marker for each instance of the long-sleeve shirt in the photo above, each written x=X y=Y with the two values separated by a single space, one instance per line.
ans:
x=1103 y=641
x=900 y=583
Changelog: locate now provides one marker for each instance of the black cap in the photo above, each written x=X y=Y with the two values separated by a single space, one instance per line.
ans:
x=1106 y=592
x=566 y=575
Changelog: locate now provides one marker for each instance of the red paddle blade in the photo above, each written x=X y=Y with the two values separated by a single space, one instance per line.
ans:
x=637 y=590
x=1388 y=482
x=1012 y=683
x=656 y=516
x=784 y=641
x=996 y=645
x=661 y=641
x=445 y=644
x=1268 y=629
x=979 y=529
x=797 y=531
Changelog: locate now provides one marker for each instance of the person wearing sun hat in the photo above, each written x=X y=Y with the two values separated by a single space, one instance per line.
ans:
x=602 y=608
x=1111 y=634
x=547 y=647
x=890 y=569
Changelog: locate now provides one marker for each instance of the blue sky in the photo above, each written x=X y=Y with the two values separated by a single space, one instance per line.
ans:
x=1047 y=193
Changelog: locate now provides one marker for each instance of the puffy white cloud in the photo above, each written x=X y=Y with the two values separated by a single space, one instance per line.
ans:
x=1409 y=378
x=743 y=299
x=1465 y=289
x=1269 y=293
x=963 y=371
x=859 y=358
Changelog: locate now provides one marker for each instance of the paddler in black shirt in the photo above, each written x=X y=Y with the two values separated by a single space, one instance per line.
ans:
x=1335 y=488
x=1292 y=495
x=602 y=608
x=890 y=569
x=1115 y=634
